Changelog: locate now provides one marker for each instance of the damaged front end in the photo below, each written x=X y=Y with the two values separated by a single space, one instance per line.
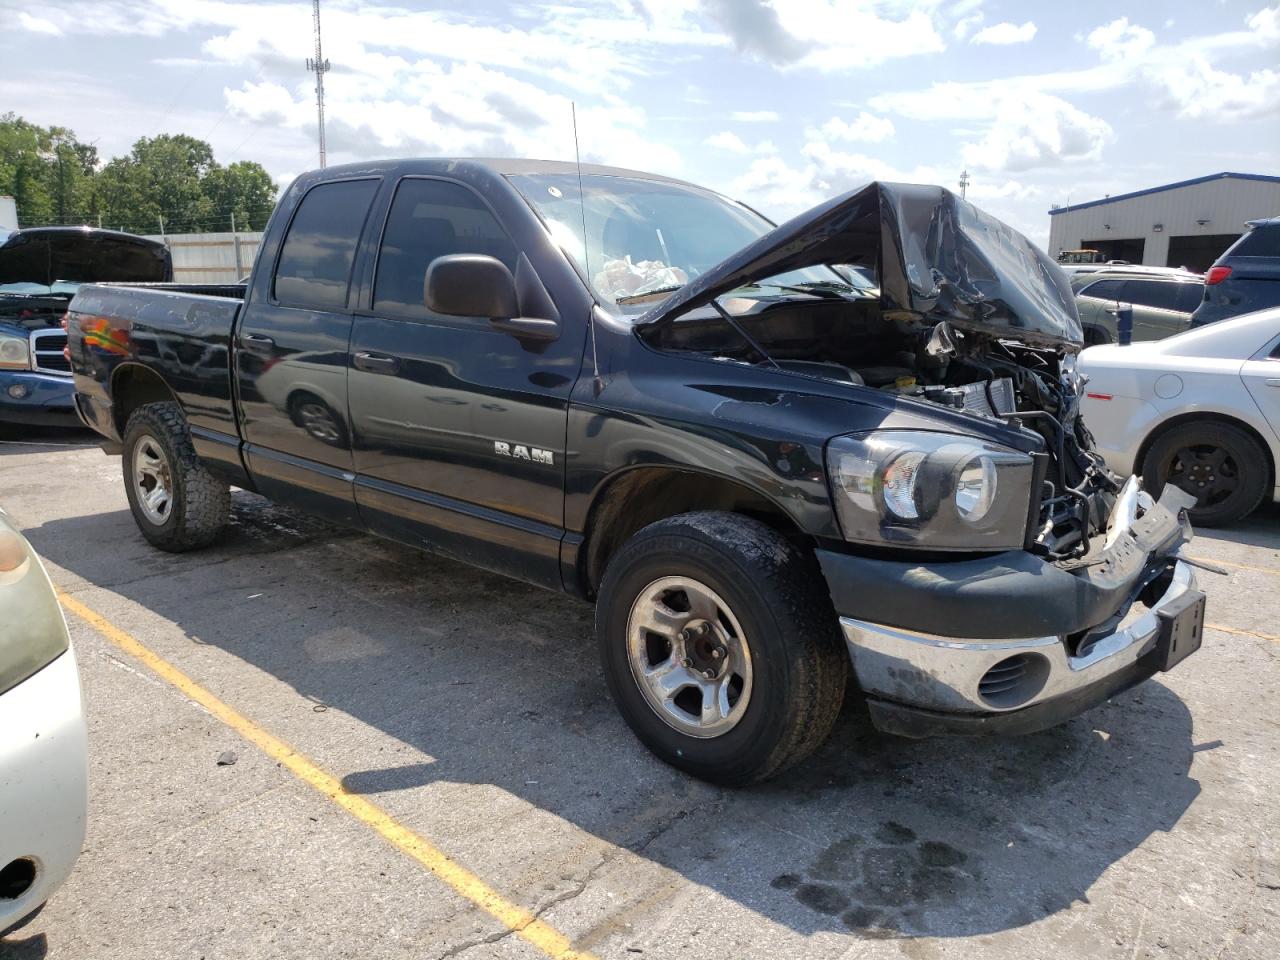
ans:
x=999 y=577
x=968 y=314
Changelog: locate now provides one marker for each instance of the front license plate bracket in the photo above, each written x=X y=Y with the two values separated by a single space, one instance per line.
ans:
x=1181 y=628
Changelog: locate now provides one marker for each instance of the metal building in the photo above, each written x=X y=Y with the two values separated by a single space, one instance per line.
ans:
x=1186 y=224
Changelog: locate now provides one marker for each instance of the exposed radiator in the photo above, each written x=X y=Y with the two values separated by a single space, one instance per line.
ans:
x=975 y=397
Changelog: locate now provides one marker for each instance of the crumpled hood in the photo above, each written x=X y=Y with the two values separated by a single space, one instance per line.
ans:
x=45 y=255
x=937 y=257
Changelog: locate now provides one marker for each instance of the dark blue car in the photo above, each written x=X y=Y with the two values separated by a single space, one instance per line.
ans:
x=40 y=270
x=1245 y=278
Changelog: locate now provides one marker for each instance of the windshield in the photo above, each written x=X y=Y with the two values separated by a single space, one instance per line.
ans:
x=40 y=289
x=649 y=236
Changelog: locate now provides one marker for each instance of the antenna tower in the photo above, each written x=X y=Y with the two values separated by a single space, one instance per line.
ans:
x=319 y=66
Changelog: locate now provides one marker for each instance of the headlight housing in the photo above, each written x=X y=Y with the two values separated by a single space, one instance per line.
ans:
x=15 y=352
x=930 y=491
x=34 y=633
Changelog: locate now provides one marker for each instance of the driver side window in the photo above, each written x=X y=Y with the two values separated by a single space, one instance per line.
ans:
x=430 y=219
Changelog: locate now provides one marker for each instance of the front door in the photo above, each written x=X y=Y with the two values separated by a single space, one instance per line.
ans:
x=291 y=356
x=1261 y=374
x=458 y=428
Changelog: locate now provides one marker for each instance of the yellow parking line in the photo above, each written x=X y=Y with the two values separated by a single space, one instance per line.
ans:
x=1243 y=633
x=515 y=918
x=1274 y=571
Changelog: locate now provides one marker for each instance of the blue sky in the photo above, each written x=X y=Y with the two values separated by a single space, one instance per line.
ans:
x=780 y=103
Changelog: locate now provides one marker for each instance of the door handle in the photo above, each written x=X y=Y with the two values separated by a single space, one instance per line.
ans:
x=257 y=343
x=376 y=363
x=1273 y=382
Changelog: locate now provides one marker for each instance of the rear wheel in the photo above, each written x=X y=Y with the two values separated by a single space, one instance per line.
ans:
x=177 y=504
x=1220 y=464
x=720 y=647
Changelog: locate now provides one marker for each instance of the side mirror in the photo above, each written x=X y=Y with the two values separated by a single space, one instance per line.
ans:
x=473 y=285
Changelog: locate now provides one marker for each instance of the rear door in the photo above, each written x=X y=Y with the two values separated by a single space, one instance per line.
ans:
x=1155 y=313
x=291 y=355
x=458 y=428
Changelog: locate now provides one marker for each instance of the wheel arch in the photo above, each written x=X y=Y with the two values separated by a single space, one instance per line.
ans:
x=1201 y=416
x=634 y=497
x=132 y=385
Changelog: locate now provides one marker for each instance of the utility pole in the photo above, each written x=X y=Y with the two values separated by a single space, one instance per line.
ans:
x=319 y=66
x=964 y=183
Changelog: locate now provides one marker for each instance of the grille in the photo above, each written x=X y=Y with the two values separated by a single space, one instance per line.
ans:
x=46 y=351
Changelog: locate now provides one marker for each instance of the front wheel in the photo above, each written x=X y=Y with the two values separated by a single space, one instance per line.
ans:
x=177 y=504
x=720 y=647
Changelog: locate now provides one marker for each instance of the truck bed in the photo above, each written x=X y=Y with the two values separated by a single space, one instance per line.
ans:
x=182 y=332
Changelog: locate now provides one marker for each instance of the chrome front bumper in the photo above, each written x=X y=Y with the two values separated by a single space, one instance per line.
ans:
x=945 y=674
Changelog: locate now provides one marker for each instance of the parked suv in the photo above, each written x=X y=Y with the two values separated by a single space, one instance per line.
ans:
x=1162 y=302
x=1245 y=278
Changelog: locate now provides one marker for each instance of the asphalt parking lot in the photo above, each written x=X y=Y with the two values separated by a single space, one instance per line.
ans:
x=481 y=778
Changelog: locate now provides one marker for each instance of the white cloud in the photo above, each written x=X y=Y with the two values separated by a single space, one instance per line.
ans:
x=38 y=24
x=732 y=143
x=1199 y=92
x=727 y=141
x=1265 y=23
x=1031 y=129
x=1120 y=39
x=966 y=25
x=1003 y=34
x=755 y=116
x=864 y=127
x=832 y=36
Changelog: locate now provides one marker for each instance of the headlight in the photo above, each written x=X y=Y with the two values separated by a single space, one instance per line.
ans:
x=15 y=352
x=34 y=633
x=934 y=491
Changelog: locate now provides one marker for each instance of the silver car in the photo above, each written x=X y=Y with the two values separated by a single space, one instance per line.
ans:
x=43 y=757
x=1162 y=302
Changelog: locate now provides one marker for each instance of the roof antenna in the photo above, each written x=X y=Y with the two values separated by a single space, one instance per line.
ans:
x=586 y=254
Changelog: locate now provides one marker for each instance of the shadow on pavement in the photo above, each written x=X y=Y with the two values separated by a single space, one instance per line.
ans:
x=499 y=684
x=17 y=947
x=1260 y=529
x=15 y=438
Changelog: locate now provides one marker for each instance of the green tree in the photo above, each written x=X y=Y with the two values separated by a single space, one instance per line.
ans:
x=171 y=179
x=241 y=192
x=47 y=171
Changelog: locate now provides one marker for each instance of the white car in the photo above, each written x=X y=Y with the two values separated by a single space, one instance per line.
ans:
x=1200 y=410
x=43 y=756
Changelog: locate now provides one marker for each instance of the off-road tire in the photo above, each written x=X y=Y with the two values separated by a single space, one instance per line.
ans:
x=777 y=593
x=1253 y=473
x=201 y=503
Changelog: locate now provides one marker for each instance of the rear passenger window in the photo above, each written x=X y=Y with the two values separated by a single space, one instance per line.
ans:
x=1189 y=296
x=1103 y=290
x=1261 y=241
x=320 y=247
x=430 y=219
x=1151 y=293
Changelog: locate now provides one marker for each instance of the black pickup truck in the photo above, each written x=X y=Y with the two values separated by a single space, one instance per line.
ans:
x=762 y=468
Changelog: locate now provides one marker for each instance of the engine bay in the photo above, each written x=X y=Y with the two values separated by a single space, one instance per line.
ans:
x=1031 y=387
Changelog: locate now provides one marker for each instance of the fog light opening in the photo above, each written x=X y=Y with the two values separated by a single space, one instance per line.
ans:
x=18 y=391
x=1014 y=680
x=17 y=878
